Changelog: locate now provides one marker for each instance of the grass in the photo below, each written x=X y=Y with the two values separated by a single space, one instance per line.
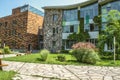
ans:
x=52 y=59
x=4 y=75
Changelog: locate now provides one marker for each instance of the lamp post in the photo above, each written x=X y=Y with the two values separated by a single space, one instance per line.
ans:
x=4 y=47
x=114 y=48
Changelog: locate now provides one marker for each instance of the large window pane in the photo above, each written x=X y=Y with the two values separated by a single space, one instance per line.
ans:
x=70 y=15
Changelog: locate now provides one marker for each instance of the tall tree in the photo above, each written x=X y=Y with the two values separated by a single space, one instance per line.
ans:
x=112 y=29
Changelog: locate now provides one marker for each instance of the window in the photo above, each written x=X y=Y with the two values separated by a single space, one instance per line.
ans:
x=81 y=13
x=108 y=9
x=14 y=22
x=70 y=15
x=57 y=30
x=54 y=43
x=19 y=35
x=91 y=27
x=53 y=31
x=6 y=24
x=72 y=28
x=13 y=32
x=24 y=8
x=93 y=41
x=40 y=37
x=55 y=17
x=0 y=24
x=69 y=44
x=24 y=22
x=110 y=46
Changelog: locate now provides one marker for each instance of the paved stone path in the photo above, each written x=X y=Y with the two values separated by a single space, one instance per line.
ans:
x=7 y=55
x=35 y=71
x=10 y=55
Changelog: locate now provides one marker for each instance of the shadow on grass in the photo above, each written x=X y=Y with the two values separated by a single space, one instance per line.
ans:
x=39 y=59
x=72 y=61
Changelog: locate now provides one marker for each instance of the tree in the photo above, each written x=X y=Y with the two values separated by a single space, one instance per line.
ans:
x=112 y=30
x=79 y=37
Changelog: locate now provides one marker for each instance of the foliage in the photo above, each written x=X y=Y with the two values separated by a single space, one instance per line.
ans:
x=1 y=52
x=71 y=51
x=112 y=29
x=80 y=37
x=6 y=50
x=0 y=42
x=86 y=56
x=97 y=21
x=4 y=75
x=78 y=54
x=90 y=57
x=61 y=57
x=64 y=51
x=83 y=45
x=44 y=54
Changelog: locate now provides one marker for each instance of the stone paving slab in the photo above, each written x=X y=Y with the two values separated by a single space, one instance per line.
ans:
x=7 y=55
x=36 y=71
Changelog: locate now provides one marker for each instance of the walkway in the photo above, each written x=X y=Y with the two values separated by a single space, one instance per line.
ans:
x=36 y=71
x=7 y=55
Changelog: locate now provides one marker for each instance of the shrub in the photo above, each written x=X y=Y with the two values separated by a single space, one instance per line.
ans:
x=1 y=52
x=71 y=51
x=78 y=54
x=44 y=54
x=90 y=57
x=61 y=58
x=86 y=56
x=6 y=50
x=64 y=51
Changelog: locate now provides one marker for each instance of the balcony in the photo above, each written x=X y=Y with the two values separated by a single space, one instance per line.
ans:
x=93 y=34
x=65 y=35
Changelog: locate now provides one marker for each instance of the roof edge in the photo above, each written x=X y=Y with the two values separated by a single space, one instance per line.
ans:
x=71 y=6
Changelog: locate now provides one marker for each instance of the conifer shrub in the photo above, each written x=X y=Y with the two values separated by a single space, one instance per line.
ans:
x=44 y=54
x=61 y=57
x=6 y=50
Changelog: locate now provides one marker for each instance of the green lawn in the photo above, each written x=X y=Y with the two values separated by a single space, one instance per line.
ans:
x=35 y=58
x=4 y=75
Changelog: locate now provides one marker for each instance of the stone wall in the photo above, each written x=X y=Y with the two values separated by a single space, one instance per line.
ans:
x=52 y=42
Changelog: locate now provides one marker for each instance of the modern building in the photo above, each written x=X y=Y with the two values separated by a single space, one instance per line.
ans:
x=21 y=29
x=61 y=21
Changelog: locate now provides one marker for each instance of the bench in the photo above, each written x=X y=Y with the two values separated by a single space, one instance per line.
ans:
x=2 y=65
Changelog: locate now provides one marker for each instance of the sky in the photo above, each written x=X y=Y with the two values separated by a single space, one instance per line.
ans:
x=6 y=6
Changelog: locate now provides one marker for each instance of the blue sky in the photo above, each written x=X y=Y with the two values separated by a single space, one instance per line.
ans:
x=6 y=6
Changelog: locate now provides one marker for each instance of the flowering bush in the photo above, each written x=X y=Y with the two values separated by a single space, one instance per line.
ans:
x=83 y=45
x=86 y=56
x=85 y=52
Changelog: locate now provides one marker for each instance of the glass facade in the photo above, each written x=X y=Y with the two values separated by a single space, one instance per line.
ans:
x=67 y=28
x=32 y=9
x=89 y=11
x=70 y=18
x=70 y=15
x=70 y=25
x=106 y=8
